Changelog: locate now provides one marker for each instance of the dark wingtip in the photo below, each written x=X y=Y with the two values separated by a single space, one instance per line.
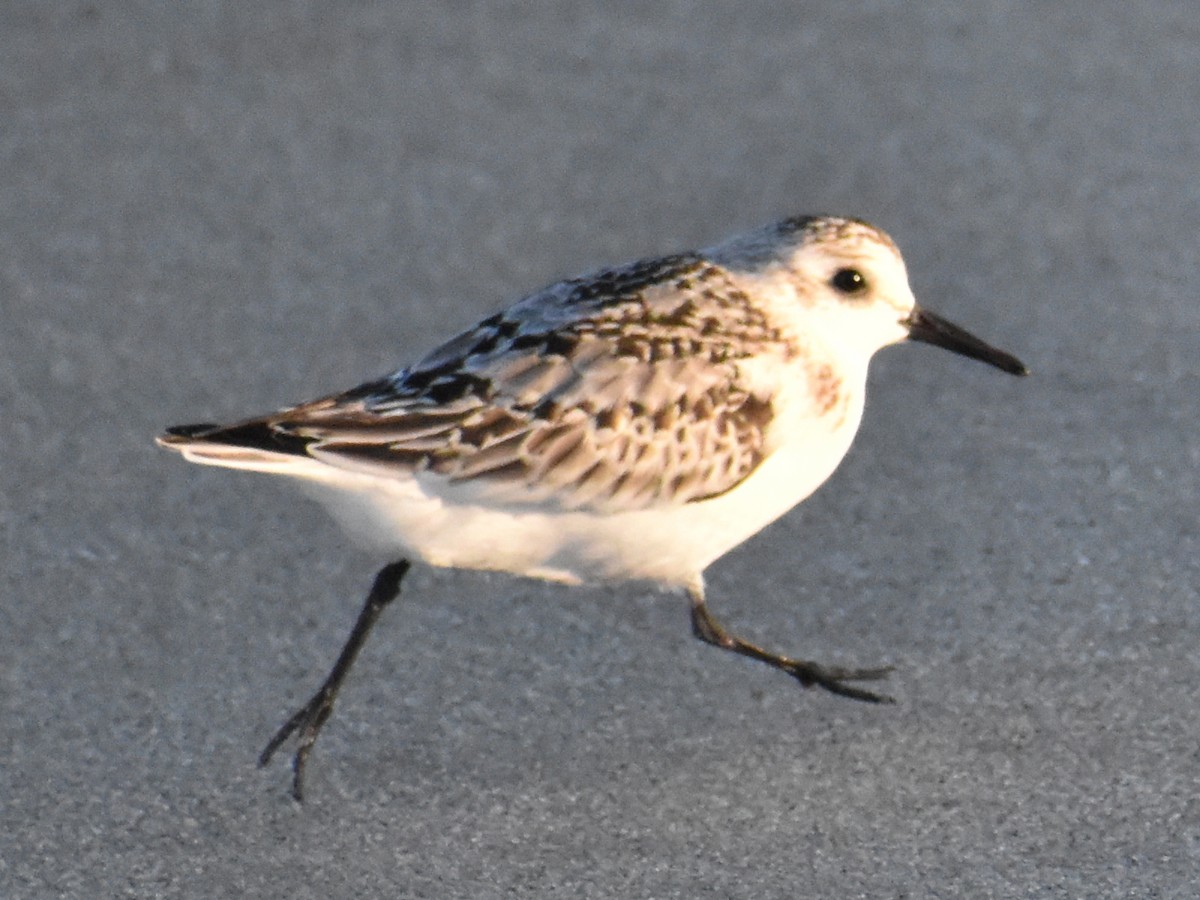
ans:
x=186 y=432
x=258 y=434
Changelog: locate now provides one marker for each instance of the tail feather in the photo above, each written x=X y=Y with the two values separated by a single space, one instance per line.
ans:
x=255 y=445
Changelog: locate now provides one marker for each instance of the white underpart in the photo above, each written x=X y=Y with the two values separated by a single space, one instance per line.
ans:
x=426 y=517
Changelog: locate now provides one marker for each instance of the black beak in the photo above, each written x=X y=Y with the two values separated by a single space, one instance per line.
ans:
x=928 y=328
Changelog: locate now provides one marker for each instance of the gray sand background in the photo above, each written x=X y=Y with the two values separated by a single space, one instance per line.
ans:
x=213 y=209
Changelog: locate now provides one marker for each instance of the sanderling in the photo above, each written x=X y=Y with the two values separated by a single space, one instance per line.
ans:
x=632 y=424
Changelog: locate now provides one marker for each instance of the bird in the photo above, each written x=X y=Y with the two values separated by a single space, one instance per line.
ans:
x=633 y=424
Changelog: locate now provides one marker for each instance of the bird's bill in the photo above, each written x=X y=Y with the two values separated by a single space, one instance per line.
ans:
x=929 y=328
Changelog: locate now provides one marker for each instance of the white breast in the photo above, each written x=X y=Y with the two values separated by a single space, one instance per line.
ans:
x=427 y=518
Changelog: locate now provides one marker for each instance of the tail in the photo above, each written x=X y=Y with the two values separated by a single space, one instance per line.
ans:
x=255 y=445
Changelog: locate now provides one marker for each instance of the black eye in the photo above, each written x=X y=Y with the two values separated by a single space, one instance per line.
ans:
x=848 y=281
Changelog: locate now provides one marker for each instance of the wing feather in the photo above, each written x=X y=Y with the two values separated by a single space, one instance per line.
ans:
x=615 y=392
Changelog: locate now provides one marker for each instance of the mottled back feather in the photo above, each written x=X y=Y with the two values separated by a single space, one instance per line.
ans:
x=615 y=391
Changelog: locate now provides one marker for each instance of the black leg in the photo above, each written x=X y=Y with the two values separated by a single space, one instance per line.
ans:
x=831 y=678
x=309 y=719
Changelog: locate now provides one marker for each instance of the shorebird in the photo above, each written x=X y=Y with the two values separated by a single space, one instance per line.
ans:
x=636 y=423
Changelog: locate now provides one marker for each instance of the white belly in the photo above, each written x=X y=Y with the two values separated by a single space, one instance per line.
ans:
x=669 y=544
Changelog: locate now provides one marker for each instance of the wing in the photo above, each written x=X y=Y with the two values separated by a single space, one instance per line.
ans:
x=618 y=391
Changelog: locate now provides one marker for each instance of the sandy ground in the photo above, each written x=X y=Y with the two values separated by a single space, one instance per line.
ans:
x=214 y=209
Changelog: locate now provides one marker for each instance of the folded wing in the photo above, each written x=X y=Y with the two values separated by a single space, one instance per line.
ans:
x=616 y=392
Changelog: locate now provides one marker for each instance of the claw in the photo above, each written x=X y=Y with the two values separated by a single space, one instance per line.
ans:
x=809 y=674
x=309 y=720
x=312 y=716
